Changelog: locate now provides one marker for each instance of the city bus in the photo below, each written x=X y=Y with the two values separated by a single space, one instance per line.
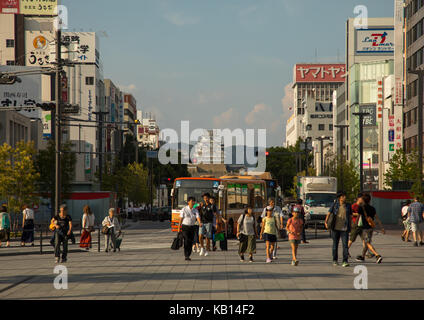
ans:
x=233 y=194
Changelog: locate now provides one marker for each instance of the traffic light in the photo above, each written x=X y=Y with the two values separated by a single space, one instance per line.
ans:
x=267 y=153
x=46 y=106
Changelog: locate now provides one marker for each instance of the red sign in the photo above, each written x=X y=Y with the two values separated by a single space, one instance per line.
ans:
x=64 y=89
x=9 y=6
x=320 y=72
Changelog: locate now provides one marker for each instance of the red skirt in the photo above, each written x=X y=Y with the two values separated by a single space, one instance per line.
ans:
x=85 y=239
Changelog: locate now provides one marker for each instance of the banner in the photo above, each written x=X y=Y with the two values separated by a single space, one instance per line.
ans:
x=375 y=41
x=320 y=72
x=9 y=6
x=38 y=7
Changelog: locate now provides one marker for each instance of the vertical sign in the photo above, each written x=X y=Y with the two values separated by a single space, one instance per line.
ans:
x=399 y=63
x=87 y=161
x=380 y=100
x=398 y=128
x=64 y=80
x=46 y=119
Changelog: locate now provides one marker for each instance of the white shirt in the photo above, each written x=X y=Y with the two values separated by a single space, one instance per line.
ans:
x=189 y=216
x=114 y=223
x=404 y=210
x=87 y=221
x=29 y=214
x=277 y=212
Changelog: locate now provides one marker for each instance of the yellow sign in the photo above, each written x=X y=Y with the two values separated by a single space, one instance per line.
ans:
x=38 y=7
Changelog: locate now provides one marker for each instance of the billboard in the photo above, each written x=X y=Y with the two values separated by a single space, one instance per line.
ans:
x=83 y=46
x=369 y=120
x=375 y=41
x=9 y=6
x=38 y=7
x=319 y=72
x=39 y=48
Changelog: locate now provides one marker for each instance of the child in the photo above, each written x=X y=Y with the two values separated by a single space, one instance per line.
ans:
x=269 y=232
x=294 y=230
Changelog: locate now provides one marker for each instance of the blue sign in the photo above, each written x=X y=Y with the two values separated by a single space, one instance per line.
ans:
x=152 y=154
x=391 y=135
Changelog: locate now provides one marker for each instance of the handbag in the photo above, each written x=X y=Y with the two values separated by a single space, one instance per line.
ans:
x=360 y=222
x=331 y=221
x=177 y=243
x=105 y=230
x=219 y=236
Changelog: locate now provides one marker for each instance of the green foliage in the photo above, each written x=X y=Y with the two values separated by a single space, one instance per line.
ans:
x=402 y=167
x=45 y=165
x=346 y=174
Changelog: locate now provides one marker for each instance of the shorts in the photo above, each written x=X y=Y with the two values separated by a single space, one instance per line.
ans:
x=407 y=224
x=416 y=227
x=270 y=237
x=206 y=230
x=295 y=242
x=367 y=235
x=356 y=231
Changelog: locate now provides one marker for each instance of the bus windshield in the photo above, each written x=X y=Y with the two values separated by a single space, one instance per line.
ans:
x=193 y=188
x=320 y=199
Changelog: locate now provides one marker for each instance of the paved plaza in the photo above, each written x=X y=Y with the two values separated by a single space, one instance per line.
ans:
x=147 y=268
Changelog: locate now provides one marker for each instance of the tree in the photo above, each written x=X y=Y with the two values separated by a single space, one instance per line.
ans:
x=18 y=176
x=402 y=167
x=350 y=178
x=45 y=164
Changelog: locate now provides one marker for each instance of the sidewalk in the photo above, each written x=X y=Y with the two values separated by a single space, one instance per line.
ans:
x=147 y=268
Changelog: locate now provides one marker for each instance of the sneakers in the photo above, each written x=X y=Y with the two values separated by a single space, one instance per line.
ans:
x=206 y=253
x=187 y=259
x=64 y=260
x=57 y=260
x=335 y=263
x=415 y=244
x=202 y=252
x=293 y=263
x=360 y=258
x=296 y=263
x=345 y=264
x=274 y=257
x=241 y=258
x=379 y=259
x=251 y=259
x=268 y=260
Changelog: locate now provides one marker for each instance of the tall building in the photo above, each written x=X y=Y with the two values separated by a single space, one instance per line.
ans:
x=311 y=81
x=148 y=131
x=130 y=113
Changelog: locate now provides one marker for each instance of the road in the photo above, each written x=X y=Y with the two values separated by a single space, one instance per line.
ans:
x=147 y=268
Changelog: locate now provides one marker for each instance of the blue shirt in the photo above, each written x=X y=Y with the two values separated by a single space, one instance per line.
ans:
x=416 y=210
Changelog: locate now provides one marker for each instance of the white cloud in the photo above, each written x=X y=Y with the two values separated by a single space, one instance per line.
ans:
x=179 y=19
x=257 y=115
x=129 y=88
x=225 y=119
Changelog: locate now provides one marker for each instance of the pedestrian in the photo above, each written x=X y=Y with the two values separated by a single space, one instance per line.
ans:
x=188 y=217
x=340 y=214
x=87 y=227
x=220 y=227
x=5 y=224
x=63 y=227
x=27 y=226
x=406 y=222
x=113 y=230
x=130 y=211
x=278 y=214
x=294 y=230
x=299 y=205
x=416 y=217
x=214 y=224
x=368 y=215
x=207 y=212
x=356 y=231
x=247 y=234
x=269 y=233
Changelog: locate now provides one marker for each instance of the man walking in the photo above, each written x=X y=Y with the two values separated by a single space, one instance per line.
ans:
x=278 y=213
x=207 y=212
x=416 y=217
x=356 y=231
x=341 y=213
x=188 y=217
x=63 y=229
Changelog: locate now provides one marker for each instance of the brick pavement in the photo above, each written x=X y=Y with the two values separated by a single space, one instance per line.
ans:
x=147 y=269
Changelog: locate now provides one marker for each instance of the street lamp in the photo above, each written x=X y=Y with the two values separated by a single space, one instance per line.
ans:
x=420 y=74
x=321 y=139
x=361 y=116
x=342 y=127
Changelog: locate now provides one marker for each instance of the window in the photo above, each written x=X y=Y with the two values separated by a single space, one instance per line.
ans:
x=89 y=81
x=330 y=127
x=10 y=43
x=238 y=196
x=321 y=127
x=309 y=127
x=10 y=62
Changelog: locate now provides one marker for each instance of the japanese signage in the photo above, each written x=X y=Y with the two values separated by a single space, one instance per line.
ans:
x=83 y=46
x=26 y=93
x=380 y=100
x=87 y=160
x=90 y=105
x=9 y=6
x=374 y=41
x=399 y=63
x=320 y=72
x=64 y=81
x=398 y=127
x=39 y=48
x=38 y=7
x=369 y=120
x=46 y=119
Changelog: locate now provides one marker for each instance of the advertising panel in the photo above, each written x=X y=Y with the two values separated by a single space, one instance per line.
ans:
x=375 y=41
x=371 y=119
x=399 y=61
x=39 y=48
x=320 y=72
x=46 y=119
x=9 y=6
x=82 y=46
x=38 y=7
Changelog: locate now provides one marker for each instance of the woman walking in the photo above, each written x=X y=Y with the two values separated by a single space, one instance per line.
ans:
x=269 y=232
x=247 y=234
x=28 y=226
x=294 y=230
x=5 y=224
x=87 y=228
x=113 y=229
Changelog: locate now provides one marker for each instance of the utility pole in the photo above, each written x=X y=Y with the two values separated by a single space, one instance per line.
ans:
x=58 y=118
x=99 y=115
x=420 y=74
x=341 y=127
x=361 y=116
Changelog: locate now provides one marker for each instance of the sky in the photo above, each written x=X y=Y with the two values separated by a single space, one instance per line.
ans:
x=216 y=63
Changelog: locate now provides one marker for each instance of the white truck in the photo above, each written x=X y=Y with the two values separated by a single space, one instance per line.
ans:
x=318 y=195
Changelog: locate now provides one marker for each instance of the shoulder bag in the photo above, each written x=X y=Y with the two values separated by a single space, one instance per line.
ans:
x=242 y=237
x=105 y=229
x=331 y=221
